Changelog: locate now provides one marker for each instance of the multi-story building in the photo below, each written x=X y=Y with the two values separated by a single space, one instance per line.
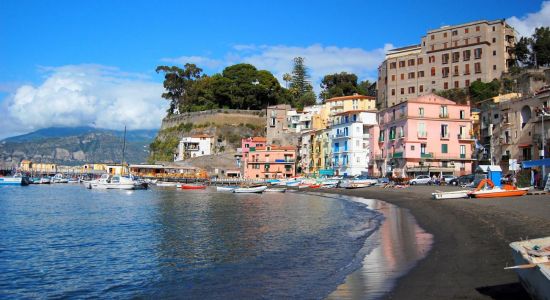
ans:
x=338 y=105
x=34 y=167
x=194 y=146
x=270 y=161
x=513 y=129
x=299 y=121
x=426 y=135
x=448 y=57
x=321 y=156
x=251 y=143
x=277 y=132
x=350 y=141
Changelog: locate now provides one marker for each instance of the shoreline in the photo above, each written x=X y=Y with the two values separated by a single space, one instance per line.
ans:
x=470 y=241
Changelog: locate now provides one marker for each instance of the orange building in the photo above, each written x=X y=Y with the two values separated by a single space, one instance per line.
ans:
x=270 y=161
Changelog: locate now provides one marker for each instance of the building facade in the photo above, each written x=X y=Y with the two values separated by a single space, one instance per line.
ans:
x=194 y=146
x=426 y=135
x=277 y=131
x=271 y=161
x=350 y=141
x=356 y=102
x=448 y=57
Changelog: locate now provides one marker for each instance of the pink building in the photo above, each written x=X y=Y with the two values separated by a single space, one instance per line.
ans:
x=426 y=135
x=251 y=143
x=270 y=161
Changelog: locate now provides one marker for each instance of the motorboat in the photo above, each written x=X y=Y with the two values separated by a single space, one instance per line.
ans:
x=16 y=179
x=165 y=184
x=532 y=259
x=252 y=189
x=226 y=188
x=44 y=180
x=193 y=187
x=439 y=195
x=115 y=182
x=275 y=190
x=487 y=189
x=59 y=178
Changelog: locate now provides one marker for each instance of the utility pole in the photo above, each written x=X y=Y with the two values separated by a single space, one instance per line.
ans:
x=543 y=141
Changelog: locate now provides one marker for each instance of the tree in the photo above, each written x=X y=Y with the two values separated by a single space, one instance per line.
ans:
x=338 y=84
x=457 y=95
x=522 y=51
x=178 y=84
x=540 y=45
x=287 y=78
x=367 y=88
x=300 y=85
x=480 y=91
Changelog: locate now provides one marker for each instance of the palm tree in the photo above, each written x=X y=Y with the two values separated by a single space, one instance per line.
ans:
x=287 y=78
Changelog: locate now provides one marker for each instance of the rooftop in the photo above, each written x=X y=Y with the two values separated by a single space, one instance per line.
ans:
x=351 y=98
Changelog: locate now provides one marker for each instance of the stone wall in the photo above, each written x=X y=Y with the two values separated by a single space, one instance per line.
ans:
x=216 y=116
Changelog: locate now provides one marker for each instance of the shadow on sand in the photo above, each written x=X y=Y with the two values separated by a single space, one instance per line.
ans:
x=508 y=291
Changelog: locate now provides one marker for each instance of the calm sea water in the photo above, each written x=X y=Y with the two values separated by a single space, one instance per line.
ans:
x=63 y=241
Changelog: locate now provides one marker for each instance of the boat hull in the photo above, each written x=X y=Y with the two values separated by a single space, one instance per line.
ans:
x=535 y=280
x=258 y=189
x=225 y=188
x=498 y=194
x=10 y=181
x=112 y=186
x=275 y=190
x=193 y=187
x=451 y=195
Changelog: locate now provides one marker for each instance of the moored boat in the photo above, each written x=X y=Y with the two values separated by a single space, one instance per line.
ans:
x=14 y=180
x=165 y=184
x=293 y=183
x=115 y=182
x=487 y=189
x=532 y=258
x=59 y=178
x=253 y=189
x=226 y=188
x=193 y=187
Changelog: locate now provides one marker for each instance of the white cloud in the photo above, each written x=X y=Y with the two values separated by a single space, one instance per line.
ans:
x=526 y=25
x=77 y=95
x=200 y=61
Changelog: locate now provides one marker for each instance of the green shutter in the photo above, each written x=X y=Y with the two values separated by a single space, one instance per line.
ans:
x=444 y=148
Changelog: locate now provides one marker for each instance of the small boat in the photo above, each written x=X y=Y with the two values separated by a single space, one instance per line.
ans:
x=314 y=186
x=226 y=188
x=166 y=184
x=115 y=182
x=303 y=185
x=16 y=179
x=45 y=180
x=253 y=189
x=73 y=180
x=532 y=258
x=329 y=186
x=275 y=190
x=438 y=195
x=193 y=187
x=495 y=192
x=293 y=183
x=58 y=178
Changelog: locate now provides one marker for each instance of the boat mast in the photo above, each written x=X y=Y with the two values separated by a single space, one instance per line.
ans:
x=123 y=148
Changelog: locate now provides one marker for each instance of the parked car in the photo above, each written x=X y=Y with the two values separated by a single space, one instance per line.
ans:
x=383 y=180
x=420 y=179
x=448 y=178
x=462 y=180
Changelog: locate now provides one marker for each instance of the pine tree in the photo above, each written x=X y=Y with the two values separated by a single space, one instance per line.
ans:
x=300 y=86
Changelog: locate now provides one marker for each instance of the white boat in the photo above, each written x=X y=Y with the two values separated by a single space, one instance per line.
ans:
x=293 y=183
x=438 y=195
x=166 y=184
x=45 y=180
x=58 y=178
x=226 y=188
x=115 y=182
x=532 y=258
x=16 y=179
x=255 y=189
x=275 y=190
x=329 y=186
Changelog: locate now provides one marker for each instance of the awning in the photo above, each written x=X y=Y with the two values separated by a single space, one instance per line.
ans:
x=536 y=163
x=524 y=145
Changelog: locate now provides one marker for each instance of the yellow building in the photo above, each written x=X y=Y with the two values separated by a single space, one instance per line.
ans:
x=32 y=167
x=348 y=103
x=321 y=152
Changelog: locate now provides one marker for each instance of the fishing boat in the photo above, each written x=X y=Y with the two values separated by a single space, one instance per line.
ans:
x=314 y=186
x=293 y=183
x=532 y=258
x=59 y=178
x=193 y=187
x=439 y=195
x=115 y=182
x=16 y=179
x=253 y=189
x=275 y=190
x=44 y=180
x=487 y=189
x=226 y=188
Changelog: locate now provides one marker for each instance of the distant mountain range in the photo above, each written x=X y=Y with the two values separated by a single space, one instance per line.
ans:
x=77 y=145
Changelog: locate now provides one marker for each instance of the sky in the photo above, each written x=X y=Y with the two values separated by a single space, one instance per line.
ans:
x=78 y=63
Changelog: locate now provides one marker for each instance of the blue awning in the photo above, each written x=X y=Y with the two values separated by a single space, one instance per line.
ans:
x=536 y=163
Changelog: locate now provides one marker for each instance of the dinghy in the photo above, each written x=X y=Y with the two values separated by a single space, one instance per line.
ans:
x=226 y=188
x=192 y=187
x=438 y=195
x=275 y=190
x=532 y=258
x=254 y=189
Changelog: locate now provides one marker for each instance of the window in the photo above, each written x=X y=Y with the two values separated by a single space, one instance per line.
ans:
x=455 y=32
x=444 y=34
x=402 y=76
x=462 y=151
x=420 y=74
x=422 y=149
x=445 y=45
x=432 y=37
x=421 y=111
x=494 y=67
x=419 y=61
x=445 y=72
x=392 y=65
x=433 y=71
x=462 y=114
x=445 y=58
x=494 y=28
x=443 y=112
x=466 y=55
x=393 y=92
x=466 y=69
x=432 y=47
x=393 y=78
x=412 y=147
x=477 y=28
x=431 y=59
x=402 y=64
x=444 y=148
x=465 y=30
x=420 y=88
x=421 y=130
x=410 y=75
x=272 y=122
x=456 y=56
x=410 y=62
x=411 y=90
x=455 y=73
x=494 y=52
x=455 y=43
x=494 y=40
x=478 y=39
x=466 y=42
x=402 y=91
x=467 y=83
x=446 y=86
x=456 y=84
x=477 y=67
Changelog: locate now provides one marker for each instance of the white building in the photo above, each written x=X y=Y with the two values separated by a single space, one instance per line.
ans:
x=194 y=146
x=299 y=121
x=350 y=141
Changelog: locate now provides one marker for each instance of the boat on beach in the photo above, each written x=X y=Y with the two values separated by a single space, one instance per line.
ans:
x=275 y=190
x=487 y=189
x=253 y=189
x=439 y=195
x=193 y=187
x=226 y=188
x=532 y=258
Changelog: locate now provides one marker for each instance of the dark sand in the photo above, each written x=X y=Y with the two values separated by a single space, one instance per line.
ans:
x=470 y=247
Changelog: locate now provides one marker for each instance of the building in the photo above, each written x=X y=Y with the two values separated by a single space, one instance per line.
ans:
x=40 y=168
x=321 y=158
x=513 y=129
x=277 y=132
x=448 y=57
x=426 y=135
x=299 y=121
x=271 y=161
x=194 y=146
x=338 y=105
x=350 y=141
x=251 y=143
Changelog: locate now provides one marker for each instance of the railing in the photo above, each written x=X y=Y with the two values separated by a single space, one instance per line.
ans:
x=366 y=136
x=444 y=136
x=464 y=136
x=443 y=115
x=426 y=155
x=397 y=155
x=422 y=134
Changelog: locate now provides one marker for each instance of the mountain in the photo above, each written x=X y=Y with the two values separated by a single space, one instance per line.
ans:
x=77 y=145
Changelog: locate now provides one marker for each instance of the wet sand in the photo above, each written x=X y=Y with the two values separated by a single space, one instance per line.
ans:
x=470 y=243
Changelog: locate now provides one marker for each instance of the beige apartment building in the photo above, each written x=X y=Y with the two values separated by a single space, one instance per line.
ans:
x=448 y=57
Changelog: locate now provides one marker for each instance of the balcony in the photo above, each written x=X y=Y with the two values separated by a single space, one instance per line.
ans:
x=426 y=155
x=422 y=134
x=444 y=136
x=444 y=115
x=366 y=136
x=397 y=155
x=464 y=137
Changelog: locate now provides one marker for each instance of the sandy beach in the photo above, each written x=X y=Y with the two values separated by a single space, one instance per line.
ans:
x=470 y=247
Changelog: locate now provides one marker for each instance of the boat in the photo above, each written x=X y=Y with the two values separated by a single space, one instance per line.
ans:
x=303 y=185
x=58 y=178
x=532 y=258
x=193 y=187
x=329 y=185
x=438 y=195
x=166 y=184
x=253 y=189
x=73 y=180
x=293 y=183
x=314 y=186
x=115 y=182
x=44 y=180
x=16 y=179
x=275 y=190
x=226 y=188
x=493 y=191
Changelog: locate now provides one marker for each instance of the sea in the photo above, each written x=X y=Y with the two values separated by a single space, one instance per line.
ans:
x=66 y=241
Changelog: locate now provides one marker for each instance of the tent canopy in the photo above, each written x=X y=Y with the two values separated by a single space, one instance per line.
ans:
x=536 y=163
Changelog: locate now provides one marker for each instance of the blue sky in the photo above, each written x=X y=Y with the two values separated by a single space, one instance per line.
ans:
x=59 y=56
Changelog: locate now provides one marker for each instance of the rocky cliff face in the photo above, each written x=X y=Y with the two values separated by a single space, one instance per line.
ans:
x=72 y=146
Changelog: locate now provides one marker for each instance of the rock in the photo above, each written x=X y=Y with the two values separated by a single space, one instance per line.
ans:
x=62 y=154
x=79 y=155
